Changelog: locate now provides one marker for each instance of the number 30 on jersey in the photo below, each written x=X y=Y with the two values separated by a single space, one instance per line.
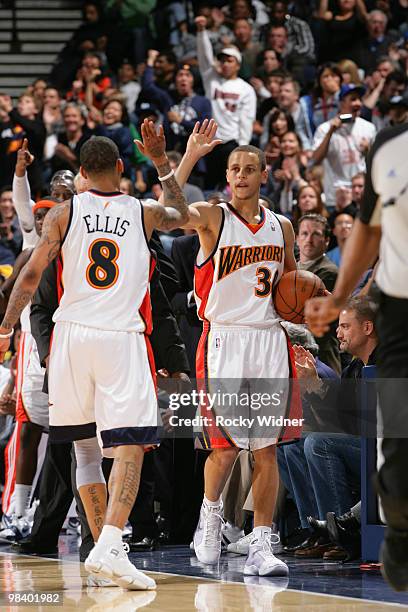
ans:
x=102 y=271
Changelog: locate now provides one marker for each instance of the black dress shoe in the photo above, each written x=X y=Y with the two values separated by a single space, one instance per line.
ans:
x=318 y=527
x=308 y=543
x=345 y=531
x=394 y=558
x=33 y=547
x=143 y=544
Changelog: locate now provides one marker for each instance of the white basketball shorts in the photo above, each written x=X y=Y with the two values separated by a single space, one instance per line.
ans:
x=249 y=374
x=32 y=403
x=102 y=382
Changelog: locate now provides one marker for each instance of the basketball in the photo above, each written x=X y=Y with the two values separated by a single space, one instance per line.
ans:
x=292 y=292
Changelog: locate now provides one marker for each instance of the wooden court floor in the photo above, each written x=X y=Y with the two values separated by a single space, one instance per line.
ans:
x=66 y=581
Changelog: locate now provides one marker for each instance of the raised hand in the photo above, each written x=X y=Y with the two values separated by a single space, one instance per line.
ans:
x=153 y=143
x=201 y=23
x=202 y=139
x=24 y=159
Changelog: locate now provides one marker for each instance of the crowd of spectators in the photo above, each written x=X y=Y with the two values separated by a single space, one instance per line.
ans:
x=309 y=82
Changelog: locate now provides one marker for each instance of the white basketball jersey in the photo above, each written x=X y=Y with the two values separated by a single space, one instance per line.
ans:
x=234 y=285
x=106 y=264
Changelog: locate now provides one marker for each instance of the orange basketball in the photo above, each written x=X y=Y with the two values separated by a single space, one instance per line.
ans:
x=292 y=291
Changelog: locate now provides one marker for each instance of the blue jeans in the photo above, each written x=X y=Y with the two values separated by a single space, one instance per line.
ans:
x=294 y=473
x=334 y=466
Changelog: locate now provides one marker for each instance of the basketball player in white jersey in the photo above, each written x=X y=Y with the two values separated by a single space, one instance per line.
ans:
x=100 y=377
x=245 y=249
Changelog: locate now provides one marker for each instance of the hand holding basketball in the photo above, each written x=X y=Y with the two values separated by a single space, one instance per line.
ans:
x=292 y=292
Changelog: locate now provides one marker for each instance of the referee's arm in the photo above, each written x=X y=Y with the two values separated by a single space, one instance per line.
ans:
x=362 y=247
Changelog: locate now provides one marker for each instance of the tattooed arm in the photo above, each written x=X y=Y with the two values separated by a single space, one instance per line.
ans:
x=47 y=249
x=174 y=212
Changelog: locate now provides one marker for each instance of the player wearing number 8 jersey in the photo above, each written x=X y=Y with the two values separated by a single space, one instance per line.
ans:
x=100 y=379
x=244 y=251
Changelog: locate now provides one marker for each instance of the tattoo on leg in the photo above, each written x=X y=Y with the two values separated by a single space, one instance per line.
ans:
x=98 y=507
x=130 y=484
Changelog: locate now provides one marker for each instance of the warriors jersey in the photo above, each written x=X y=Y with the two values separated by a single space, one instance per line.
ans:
x=234 y=285
x=106 y=264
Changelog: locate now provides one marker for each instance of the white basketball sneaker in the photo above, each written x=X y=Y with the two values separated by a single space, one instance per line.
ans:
x=113 y=563
x=207 y=536
x=261 y=561
x=241 y=547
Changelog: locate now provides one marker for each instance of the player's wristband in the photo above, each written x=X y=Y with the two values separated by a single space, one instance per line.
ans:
x=167 y=176
x=4 y=336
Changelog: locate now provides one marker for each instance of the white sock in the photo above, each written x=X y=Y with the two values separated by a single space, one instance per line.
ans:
x=21 y=497
x=110 y=535
x=261 y=532
x=212 y=504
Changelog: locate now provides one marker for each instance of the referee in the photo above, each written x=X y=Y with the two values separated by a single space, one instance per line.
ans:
x=382 y=229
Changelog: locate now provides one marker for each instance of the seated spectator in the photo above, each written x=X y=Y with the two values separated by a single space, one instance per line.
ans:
x=186 y=48
x=312 y=238
x=308 y=201
x=342 y=145
x=342 y=29
x=336 y=478
x=289 y=101
x=245 y=9
x=37 y=90
x=243 y=39
x=22 y=122
x=393 y=84
x=128 y=85
x=267 y=91
x=343 y=224
x=268 y=61
x=376 y=42
x=348 y=199
x=220 y=35
x=158 y=76
x=52 y=119
x=275 y=125
x=349 y=72
x=90 y=82
x=288 y=172
x=323 y=102
x=300 y=49
x=84 y=39
x=11 y=239
x=115 y=125
x=70 y=141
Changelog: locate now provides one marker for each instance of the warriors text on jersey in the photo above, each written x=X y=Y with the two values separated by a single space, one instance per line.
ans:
x=234 y=285
x=106 y=264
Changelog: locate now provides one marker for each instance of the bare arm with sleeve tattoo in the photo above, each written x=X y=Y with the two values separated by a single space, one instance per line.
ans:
x=174 y=211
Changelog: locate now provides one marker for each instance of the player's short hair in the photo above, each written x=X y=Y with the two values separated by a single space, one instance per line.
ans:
x=250 y=149
x=363 y=307
x=318 y=219
x=98 y=155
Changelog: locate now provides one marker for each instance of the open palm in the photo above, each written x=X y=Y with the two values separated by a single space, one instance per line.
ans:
x=202 y=139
